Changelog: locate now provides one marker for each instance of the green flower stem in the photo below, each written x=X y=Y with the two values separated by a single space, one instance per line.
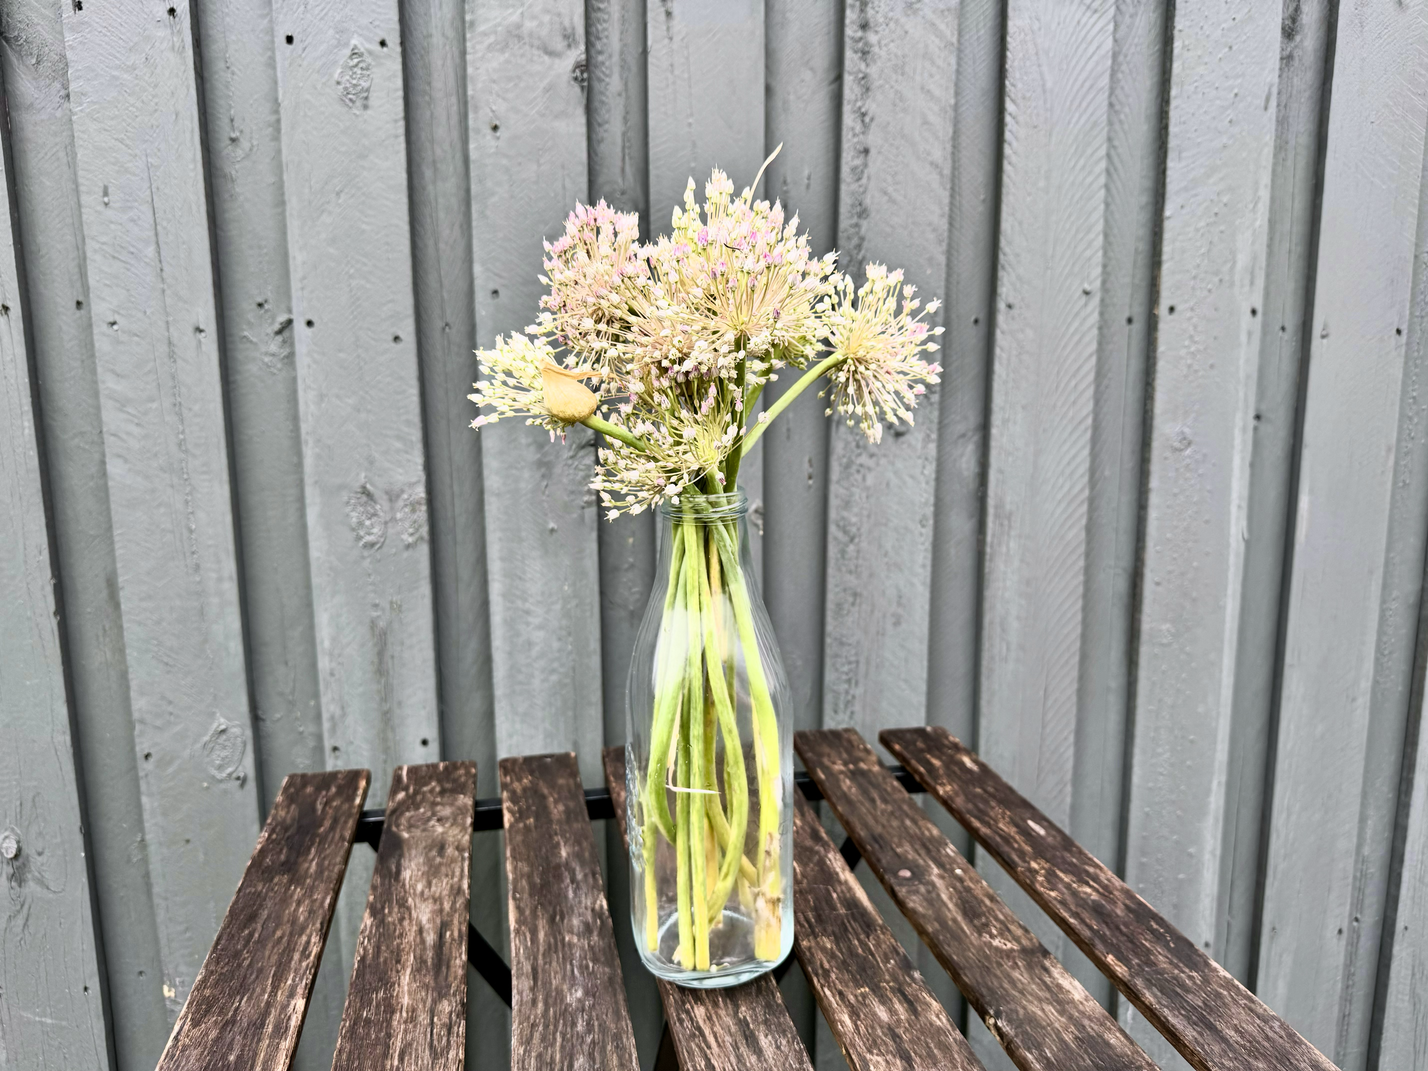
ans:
x=738 y=821
x=612 y=431
x=786 y=398
x=685 y=953
x=769 y=892
x=657 y=818
x=693 y=783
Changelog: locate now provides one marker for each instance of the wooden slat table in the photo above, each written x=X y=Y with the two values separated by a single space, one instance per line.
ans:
x=406 y=1006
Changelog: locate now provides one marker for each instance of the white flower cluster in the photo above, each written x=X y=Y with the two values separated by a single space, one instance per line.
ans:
x=683 y=334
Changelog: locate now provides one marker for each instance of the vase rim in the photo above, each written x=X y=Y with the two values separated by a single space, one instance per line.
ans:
x=706 y=508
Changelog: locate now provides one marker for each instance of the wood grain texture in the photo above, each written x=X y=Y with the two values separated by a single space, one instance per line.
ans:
x=1200 y=450
x=433 y=38
x=240 y=97
x=804 y=73
x=568 y=997
x=1214 y=1022
x=1403 y=1037
x=349 y=251
x=1039 y=431
x=143 y=207
x=899 y=76
x=525 y=81
x=743 y=1026
x=249 y=1000
x=46 y=207
x=406 y=1001
x=874 y=999
x=1359 y=538
x=51 y=962
x=1041 y=1015
x=969 y=306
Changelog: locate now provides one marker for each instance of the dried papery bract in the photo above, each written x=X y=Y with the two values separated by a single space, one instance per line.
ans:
x=664 y=347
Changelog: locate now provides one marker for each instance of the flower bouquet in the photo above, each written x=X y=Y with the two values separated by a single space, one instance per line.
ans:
x=664 y=348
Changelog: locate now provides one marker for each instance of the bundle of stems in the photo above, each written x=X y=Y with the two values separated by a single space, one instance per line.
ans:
x=699 y=648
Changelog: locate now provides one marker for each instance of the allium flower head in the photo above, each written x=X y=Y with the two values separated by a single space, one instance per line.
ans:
x=880 y=376
x=516 y=372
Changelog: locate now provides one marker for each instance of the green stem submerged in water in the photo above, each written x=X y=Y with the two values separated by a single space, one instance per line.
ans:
x=695 y=710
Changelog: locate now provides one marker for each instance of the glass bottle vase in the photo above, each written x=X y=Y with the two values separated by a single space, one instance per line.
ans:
x=709 y=770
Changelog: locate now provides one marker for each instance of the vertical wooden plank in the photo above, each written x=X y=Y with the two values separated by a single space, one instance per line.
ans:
x=900 y=65
x=707 y=96
x=616 y=113
x=36 y=78
x=1403 y=1029
x=1053 y=200
x=899 y=79
x=962 y=406
x=51 y=963
x=526 y=76
x=618 y=157
x=143 y=206
x=438 y=167
x=1288 y=282
x=1361 y=521
x=349 y=253
x=1221 y=119
x=240 y=97
x=804 y=72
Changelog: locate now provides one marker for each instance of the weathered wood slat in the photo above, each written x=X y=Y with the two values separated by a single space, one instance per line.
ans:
x=349 y=250
x=1198 y=593
x=406 y=1002
x=1046 y=371
x=249 y=1000
x=527 y=137
x=874 y=999
x=1213 y=1021
x=47 y=209
x=144 y=212
x=568 y=996
x=1360 y=532
x=741 y=1027
x=438 y=166
x=52 y=1013
x=1042 y=1016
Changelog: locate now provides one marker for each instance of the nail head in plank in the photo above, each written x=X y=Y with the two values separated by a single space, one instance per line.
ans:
x=1036 y=1010
x=874 y=999
x=742 y=1028
x=568 y=994
x=406 y=1003
x=1211 y=1019
x=248 y=1002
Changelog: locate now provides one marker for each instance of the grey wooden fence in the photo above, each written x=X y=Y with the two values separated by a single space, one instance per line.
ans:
x=1156 y=546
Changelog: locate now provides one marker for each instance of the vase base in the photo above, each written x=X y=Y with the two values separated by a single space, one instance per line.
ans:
x=734 y=934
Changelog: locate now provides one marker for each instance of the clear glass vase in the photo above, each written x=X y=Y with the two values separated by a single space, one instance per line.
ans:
x=709 y=760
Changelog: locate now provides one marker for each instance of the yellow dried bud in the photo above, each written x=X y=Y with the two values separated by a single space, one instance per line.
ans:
x=566 y=398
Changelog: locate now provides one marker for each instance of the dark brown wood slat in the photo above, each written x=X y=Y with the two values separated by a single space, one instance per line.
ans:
x=744 y=1028
x=248 y=1001
x=567 y=993
x=875 y=1001
x=1035 y=1009
x=1214 y=1022
x=406 y=1003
